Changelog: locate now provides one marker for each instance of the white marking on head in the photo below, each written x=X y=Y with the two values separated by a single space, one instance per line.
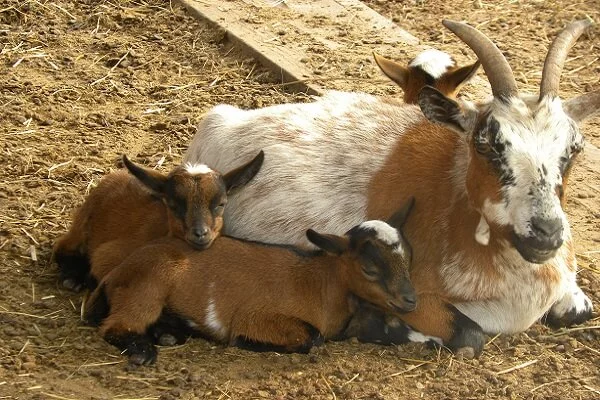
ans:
x=386 y=233
x=482 y=233
x=432 y=61
x=195 y=169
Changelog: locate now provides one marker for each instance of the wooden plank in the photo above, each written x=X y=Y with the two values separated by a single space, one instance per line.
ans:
x=312 y=45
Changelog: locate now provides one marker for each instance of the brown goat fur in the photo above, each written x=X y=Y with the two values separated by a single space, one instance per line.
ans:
x=253 y=292
x=132 y=207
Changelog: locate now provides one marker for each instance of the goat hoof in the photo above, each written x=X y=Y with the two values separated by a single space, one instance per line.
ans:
x=166 y=339
x=72 y=284
x=573 y=310
x=467 y=353
x=571 y=317
x=141 y=353
x=468 y=340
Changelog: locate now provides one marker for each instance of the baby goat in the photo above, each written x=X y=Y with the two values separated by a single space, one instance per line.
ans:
x=254 y=294
x=127 y=211
x=430 y=67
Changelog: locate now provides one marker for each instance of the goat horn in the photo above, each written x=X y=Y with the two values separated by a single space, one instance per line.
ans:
x=496 y=67
x=557 y=53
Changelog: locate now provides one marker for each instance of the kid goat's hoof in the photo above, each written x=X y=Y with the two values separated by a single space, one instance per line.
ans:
x=144 y=353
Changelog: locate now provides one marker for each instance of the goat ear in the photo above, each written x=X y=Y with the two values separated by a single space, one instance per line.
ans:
x=442 y=110
x=244 y=174
x=330 y=243
x=152 y=179
x=393 y=70
x=399 y=218
x=462 y=75
x=582 y=106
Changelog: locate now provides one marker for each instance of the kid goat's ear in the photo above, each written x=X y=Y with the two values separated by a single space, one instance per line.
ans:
x=152 y=179
x=330 y=243
x=393 y=70
x=399 y=218
x=244 y=174
x=463 y=75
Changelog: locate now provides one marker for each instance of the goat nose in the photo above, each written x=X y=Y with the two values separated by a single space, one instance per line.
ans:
x=200 y=232
x=410 y=299
x=546 y=226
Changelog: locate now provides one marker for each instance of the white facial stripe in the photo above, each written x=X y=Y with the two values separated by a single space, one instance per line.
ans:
x=195 y=169
x=433 y=61
x=386 y=233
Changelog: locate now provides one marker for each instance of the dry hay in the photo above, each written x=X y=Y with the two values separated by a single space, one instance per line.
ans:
x=83 y=82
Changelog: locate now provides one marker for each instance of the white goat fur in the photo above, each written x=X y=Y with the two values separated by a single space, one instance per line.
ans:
x=320 y=158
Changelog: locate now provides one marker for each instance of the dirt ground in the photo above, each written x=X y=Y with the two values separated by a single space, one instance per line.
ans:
x=84 y=81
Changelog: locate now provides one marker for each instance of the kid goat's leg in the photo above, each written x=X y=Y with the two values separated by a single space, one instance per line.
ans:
x=275 y=333
x=132 y=311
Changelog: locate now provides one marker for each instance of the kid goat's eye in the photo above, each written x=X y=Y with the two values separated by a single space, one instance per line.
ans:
x=370 y=272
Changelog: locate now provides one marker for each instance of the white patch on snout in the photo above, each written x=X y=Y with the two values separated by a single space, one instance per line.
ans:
x=573 y=301
x=196 y=169
x=482 y=233
x=386 y=233
x=432 y=61
x=212 y=320
x=418 y=337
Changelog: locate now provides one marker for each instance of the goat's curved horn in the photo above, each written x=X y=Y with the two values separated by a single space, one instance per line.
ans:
x=496 y=67
x=557 y=53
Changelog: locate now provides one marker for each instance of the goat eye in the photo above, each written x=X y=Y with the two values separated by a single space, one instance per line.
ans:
x=370 y=272
x=483 y=147
x=219 y=209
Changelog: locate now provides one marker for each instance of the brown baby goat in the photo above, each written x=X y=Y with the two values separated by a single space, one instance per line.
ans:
x=253 y=294
x=128 y=210
x=431 y=67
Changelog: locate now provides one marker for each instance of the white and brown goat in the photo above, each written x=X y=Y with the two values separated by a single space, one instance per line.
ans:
x=254 y=294
x=429 y=68
x=492 y=247
x=129 y=208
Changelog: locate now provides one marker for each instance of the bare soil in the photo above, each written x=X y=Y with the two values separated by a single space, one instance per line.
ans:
x=83 y=81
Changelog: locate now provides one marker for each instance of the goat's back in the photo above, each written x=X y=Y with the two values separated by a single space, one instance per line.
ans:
x=341 y=137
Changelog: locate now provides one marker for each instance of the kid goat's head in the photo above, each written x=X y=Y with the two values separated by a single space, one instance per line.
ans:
x=521 y=147
x=430 y=67
x=377 y=259
x=195 y=196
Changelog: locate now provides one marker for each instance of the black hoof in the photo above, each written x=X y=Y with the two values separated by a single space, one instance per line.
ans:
x=139 y=348
x=141 y=353
x=170 y=329
x=73 y=270
x=570 y=318
x=467 y=334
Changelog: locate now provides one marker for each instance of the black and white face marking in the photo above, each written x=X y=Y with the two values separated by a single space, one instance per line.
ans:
x=385 y=259
x=530 y=146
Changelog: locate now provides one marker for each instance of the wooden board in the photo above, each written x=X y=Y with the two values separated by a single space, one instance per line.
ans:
x=310 y=44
